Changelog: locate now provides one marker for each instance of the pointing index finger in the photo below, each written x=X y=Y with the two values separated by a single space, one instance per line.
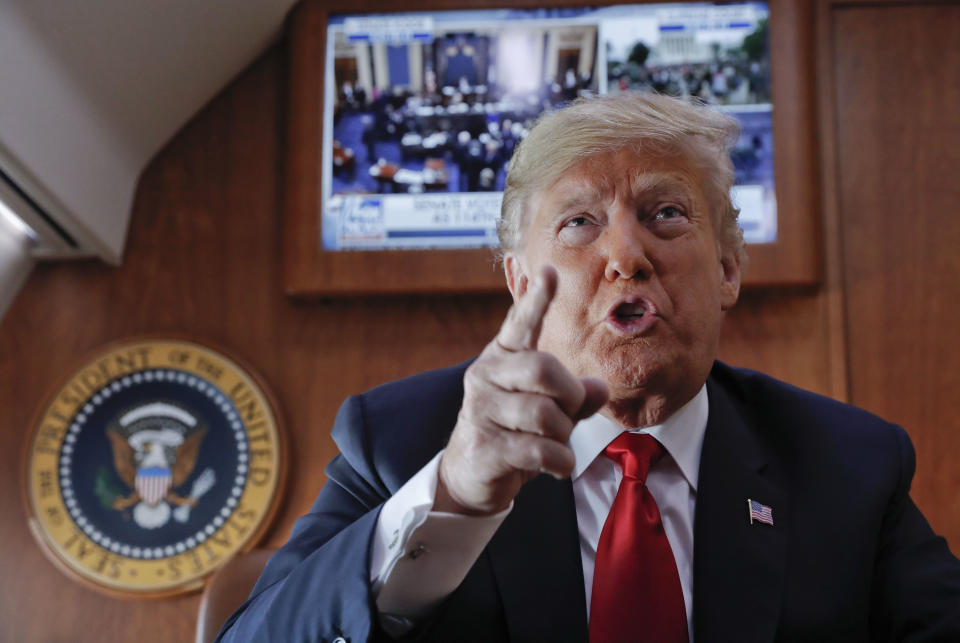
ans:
x=521 y=329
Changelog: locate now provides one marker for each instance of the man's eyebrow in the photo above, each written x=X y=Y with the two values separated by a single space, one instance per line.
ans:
x=584 y=194
x=644 y=183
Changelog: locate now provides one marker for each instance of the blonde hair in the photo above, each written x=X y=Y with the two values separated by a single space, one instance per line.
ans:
x=651 y=124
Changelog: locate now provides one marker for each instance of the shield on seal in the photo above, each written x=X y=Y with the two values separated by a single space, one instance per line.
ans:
x=153 y=483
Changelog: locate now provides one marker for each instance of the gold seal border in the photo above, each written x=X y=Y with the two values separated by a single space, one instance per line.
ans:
x=72 y=551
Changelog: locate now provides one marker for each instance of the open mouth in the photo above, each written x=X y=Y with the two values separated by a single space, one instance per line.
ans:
x=632 y=315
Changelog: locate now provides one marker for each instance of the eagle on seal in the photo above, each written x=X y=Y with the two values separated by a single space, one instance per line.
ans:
x=155 y=448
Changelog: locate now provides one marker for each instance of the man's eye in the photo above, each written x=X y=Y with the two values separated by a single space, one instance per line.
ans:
x=667 y=213
x=578 y=230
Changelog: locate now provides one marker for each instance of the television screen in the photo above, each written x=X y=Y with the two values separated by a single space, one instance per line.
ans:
x=422 y=111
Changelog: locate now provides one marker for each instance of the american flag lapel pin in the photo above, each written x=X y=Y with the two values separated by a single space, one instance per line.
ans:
x=759 y=512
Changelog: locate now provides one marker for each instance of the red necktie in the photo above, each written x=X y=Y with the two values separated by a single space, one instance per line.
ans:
x=636 y=587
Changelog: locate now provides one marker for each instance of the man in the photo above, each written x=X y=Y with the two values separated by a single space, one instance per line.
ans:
x=701 y=502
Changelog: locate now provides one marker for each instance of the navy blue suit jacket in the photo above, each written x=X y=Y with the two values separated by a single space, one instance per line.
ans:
x=849 y=557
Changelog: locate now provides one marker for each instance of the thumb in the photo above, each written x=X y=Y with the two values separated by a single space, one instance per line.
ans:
x=596 y=397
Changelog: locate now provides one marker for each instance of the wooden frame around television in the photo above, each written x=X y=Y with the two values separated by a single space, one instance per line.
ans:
x=308 y=270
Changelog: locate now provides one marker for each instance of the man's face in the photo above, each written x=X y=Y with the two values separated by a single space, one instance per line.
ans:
x=643 y=285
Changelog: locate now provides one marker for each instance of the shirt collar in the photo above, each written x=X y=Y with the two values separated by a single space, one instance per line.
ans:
x=681 y=436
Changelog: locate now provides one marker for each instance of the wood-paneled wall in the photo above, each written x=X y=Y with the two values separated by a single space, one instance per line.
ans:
x=897 y=106
x=203 y=259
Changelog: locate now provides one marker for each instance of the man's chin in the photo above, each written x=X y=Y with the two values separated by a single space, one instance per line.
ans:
x=629 y=374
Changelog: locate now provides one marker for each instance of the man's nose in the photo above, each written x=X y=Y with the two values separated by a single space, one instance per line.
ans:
x=627 y=251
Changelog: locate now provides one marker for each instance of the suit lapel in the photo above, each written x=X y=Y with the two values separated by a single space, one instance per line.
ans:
x=537 y=566
x=738 y=566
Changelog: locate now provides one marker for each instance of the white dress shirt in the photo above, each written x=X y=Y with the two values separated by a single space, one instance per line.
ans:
x=419 y=556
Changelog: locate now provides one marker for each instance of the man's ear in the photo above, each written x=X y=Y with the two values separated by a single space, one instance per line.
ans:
x=730 y=270
x=516 y=273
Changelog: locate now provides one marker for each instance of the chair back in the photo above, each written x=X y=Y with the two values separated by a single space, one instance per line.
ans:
x=227 y=589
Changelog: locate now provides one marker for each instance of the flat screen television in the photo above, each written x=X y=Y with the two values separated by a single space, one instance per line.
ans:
x=422 y=110
x=400 y=125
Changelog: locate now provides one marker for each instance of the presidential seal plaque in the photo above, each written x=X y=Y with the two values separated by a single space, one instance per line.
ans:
x=151 y=466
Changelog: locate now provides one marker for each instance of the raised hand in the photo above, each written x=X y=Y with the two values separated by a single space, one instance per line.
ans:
x=519 y=407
